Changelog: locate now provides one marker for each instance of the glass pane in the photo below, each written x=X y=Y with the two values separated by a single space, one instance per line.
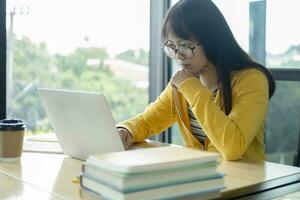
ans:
x=89 y=45
x=236 y=14
x=283 y=123
x=282 y=34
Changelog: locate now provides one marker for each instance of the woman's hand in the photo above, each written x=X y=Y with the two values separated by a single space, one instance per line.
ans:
x=180 y=76
x=126 y=137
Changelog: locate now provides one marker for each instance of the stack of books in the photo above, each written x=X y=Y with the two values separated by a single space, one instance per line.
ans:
x=154 y=173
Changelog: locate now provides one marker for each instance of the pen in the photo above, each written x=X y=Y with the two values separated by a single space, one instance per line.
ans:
x=76 y=179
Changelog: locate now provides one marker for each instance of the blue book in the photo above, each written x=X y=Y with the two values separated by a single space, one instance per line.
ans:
x=130 y=182
x=194 y=188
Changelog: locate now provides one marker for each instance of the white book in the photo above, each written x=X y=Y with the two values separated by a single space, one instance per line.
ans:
x=125 y=182
x=152 y=159
x=170 y=191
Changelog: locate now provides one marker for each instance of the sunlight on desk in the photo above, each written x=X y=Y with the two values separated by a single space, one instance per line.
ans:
x=46 y=172
x=12 y=188
x=51 y=175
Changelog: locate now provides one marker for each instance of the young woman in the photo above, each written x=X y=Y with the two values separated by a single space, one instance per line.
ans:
x=219 y=97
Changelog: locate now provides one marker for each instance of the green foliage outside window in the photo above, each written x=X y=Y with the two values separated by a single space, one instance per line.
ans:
x=34 y=67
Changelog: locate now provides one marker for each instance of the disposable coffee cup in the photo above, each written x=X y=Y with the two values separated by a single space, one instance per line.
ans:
x=11 y=139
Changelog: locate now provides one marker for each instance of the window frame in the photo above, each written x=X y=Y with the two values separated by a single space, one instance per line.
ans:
x=159 y=64
x=285 y=74
x=3 y=40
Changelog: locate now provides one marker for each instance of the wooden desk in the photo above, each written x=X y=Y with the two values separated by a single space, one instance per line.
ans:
x=258 y=180
x=49 y=176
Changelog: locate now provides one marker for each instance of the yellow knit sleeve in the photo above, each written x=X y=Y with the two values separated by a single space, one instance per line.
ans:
x=232 y=134
x=157 y=116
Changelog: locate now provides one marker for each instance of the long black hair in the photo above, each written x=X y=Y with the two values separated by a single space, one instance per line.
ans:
x=201 y=21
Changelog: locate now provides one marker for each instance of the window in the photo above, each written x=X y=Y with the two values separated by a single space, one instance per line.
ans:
x=90 y=45
x=283 y=57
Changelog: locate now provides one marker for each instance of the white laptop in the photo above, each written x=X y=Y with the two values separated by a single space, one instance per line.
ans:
x=82 y=122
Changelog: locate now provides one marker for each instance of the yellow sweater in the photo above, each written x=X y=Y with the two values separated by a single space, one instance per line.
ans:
x=238 y=135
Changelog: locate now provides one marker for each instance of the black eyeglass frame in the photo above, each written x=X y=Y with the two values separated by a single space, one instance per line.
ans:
x=166 y=50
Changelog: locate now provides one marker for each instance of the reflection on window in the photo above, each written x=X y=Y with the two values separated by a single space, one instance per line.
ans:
x=90 y=45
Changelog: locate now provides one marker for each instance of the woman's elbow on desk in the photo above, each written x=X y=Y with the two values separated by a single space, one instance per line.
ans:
x=233 y=153
x=232 y=156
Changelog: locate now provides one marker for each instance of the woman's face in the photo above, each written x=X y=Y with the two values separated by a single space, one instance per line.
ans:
x=196 y=63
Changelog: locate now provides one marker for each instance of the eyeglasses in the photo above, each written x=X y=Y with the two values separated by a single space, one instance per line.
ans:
x=183 y=50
